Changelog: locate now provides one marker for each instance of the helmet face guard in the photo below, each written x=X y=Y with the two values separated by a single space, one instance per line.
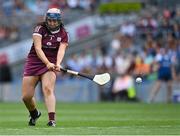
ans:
x=53 y=14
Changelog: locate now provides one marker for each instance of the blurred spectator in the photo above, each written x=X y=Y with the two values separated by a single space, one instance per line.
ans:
x=166 y=14
x=5 y=72
x=87 y=5
x=13 y=34
x=73 y=4
x=39 y=7
x=3 y=32
x=128 y=31
x=123 y=88
x=54 y=4
x=8 y=8
x=5 y=77
x=141 y=68
x=115 y=44
x=20 y=8
x=150 y=45
x=63 y=4
x=72 y=63
x=176 y=31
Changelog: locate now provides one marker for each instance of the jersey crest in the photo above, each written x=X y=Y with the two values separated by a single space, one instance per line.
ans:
x=58 y=39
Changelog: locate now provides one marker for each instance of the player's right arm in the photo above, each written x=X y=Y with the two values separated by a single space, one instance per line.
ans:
x=37 y=40
x=38 y=48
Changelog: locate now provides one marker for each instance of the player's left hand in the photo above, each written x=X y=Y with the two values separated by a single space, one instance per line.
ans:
x=58 y=67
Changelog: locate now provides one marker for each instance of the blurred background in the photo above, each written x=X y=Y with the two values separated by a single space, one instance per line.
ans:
x=123 y=37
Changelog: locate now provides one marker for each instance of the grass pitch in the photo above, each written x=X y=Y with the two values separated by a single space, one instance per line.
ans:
x=94 y=119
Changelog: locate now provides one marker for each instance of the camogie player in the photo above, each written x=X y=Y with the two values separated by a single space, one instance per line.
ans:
x=49 y=44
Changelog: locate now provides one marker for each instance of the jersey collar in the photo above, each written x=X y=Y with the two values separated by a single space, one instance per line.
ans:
x=54 y=32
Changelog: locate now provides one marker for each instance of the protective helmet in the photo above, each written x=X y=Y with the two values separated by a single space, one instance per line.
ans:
x=54 y=14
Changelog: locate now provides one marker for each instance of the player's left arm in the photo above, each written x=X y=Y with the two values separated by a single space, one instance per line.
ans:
x=60 y=55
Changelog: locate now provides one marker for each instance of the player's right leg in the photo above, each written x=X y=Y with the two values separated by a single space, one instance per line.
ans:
x=28 y=89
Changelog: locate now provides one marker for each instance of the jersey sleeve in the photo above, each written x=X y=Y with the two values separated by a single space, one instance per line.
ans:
x=65 y=38
x=38 y=31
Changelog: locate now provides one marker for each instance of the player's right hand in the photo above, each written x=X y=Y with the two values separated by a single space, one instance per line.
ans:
x=50 y=66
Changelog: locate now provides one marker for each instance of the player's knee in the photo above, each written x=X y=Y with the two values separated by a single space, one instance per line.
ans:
x=26 y=98
x=48 y=90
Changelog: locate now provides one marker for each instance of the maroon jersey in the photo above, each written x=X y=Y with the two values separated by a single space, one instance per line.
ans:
x=50 y=45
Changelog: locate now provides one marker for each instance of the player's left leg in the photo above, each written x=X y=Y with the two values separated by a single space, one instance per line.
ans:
x=48 y=83
x=169 y=90
x=155 y=90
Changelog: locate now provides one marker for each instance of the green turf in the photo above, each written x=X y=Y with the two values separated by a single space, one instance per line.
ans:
x=94 y=119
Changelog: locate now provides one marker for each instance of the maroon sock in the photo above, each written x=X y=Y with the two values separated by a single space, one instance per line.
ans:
x=51 y=115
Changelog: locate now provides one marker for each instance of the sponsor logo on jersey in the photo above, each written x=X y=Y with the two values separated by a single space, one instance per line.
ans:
x=49 y=43
x=58 y=39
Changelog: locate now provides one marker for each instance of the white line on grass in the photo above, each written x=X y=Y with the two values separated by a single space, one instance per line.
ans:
x=87 y=127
